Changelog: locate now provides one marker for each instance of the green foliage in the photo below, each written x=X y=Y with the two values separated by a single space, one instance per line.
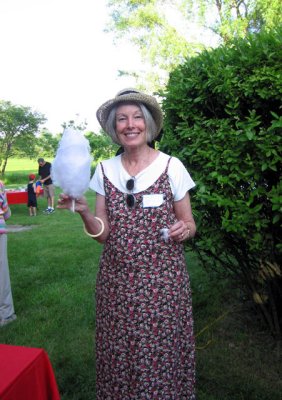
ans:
x=101 y=146
x=237 y=18
x=18 y=126
x=46 y=144
x=17 y=171
x=223 y=119
x=160 y=43
x=74 y=124
x=166 y=32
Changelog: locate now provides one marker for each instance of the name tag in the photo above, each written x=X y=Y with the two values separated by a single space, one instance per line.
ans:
x=153 y=200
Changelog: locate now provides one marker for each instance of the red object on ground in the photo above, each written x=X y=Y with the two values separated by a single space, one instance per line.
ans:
x=18 y=197
x=26 y=373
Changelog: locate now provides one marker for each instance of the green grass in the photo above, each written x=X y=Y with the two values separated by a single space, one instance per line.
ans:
x=236 y=357
x=53 y=270
x=17 y=171
x=22 y=164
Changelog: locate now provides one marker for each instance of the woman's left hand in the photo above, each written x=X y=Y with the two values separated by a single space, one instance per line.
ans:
x=179 y=231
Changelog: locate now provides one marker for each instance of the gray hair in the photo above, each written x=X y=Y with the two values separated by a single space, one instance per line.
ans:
x=151 y=126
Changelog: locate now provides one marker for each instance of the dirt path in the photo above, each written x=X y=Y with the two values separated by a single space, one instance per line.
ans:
x=19 y=228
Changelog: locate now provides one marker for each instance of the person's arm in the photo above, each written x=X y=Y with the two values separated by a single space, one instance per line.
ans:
x=45 y=179
x=92 y=225
x=47 y=168
x=90 y=222
x=185 y=227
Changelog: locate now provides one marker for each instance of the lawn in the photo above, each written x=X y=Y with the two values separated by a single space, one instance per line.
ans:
x=22 y=164
x=18 y=169
x=53 y=268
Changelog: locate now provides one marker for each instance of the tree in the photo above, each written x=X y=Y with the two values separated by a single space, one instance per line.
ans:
x=101 y=146
x=47 y=144
x=234 y=18
x=75 y=124
x=166 y=32
x=160 y=43
x=223 y=119
x=18 y=126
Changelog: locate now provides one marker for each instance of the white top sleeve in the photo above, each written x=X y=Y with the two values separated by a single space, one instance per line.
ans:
x=179 y=178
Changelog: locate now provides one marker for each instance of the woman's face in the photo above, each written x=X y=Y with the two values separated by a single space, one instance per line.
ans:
x=130 y=125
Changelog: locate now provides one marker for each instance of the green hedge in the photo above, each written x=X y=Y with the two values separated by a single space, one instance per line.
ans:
x=223 y=120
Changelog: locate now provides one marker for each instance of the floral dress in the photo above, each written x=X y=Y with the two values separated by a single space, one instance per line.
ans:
x=144 y=332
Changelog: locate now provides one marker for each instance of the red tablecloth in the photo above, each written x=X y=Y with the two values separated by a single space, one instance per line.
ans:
x=26 y=374
x=17 y=197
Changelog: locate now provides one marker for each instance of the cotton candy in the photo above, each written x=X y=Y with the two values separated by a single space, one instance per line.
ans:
x=71 y=167
x=164 y=234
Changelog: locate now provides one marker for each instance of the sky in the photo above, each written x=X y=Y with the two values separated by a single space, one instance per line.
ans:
x=57 y=59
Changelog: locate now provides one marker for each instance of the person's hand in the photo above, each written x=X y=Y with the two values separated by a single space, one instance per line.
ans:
x=67 y=202
x=179 y=231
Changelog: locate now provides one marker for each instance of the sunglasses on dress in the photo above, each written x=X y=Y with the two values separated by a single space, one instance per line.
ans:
x=130 y=198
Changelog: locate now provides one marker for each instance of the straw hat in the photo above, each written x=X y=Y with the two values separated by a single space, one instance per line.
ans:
x=128 y=95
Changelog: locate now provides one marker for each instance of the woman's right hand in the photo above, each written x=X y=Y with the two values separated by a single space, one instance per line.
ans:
x=66 y=202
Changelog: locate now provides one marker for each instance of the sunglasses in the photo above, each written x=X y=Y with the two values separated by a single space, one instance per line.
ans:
x=130 y=198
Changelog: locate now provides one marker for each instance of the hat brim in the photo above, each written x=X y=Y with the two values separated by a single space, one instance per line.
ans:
x=136 y=97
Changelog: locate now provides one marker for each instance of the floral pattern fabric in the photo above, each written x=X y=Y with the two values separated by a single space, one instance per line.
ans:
x=144 y=332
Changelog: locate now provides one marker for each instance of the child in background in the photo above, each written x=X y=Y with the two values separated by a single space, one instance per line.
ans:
x=31 y=196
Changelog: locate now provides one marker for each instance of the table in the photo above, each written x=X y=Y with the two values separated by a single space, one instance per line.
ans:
x=18 y=197
x=26 y=374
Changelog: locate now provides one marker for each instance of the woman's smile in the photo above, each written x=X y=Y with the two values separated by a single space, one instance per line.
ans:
x=130 y=123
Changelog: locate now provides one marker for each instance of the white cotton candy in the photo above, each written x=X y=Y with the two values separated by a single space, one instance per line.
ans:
x=164 y=234
x=71 y=167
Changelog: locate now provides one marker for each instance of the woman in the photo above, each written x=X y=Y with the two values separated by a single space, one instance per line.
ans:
x=144 y=330
x=7 y=313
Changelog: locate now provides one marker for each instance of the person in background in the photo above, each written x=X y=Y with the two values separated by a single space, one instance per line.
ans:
x=44 y=171
x=7 y=312
x=145 y=345
x=31 y=196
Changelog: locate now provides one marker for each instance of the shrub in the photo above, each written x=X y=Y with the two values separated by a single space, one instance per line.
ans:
x=223 y=119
